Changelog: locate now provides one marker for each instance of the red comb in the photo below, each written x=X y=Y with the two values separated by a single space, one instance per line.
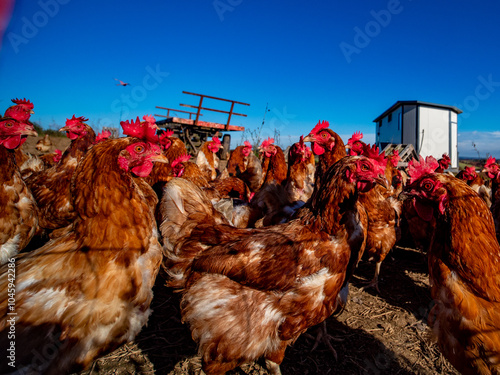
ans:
x=491 y=160
x=102 y=136
x=320 y=126
x=446 y=157
x=144 y=130
x=394 y=158
x=267 y=142
x=150 y=119
x=163 y=138
x=470 y=170
x=247 y=144
x=419 y=168
x=373 y=153
x=168 y=133
x=58 y=155
x=355 y=137
x=75 y=120
x=181 y=159
x=23 y=102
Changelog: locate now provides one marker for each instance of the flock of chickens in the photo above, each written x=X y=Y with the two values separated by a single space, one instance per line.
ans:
x=260 y=252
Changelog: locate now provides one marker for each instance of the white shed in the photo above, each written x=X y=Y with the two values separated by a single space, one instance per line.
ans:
x=430 y=128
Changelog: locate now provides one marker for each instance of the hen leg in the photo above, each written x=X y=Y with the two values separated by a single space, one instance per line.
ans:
x=325 y=337
x=273 y=367
x=374 y=282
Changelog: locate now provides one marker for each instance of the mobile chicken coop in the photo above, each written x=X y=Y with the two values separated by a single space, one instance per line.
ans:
x=427 y=128
x=194 y=131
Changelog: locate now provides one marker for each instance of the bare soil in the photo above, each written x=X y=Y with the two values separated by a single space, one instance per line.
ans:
x=57 y=143
x=377 y=333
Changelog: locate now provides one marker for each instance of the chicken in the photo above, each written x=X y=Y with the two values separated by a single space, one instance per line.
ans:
x=221 y=191
x=476 y=182
x=274 y=166
x=412 y=226
x=173 y=148
x=396 y=177
x=49 y=160
x=52 y=187
x=44 y=144
x=276 y=204
x=464 y=264
x=207 y=159
x=384 y=211
x=246 y=166
x=88 y=291
x=444 y=163
x=299 y=182
x=328 y=146
x=249 y=293
x=493 y=171
x=19 y=213
x=22 y=111
x=278 y=198
x=355 y=144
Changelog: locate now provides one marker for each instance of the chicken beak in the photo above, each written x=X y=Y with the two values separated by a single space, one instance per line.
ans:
x=403 y=196
x=31 y=111
x=382 y=181
x=308 y=138
x=160 y=159
x=406 y=194
x=30 y=132
x=64 y=129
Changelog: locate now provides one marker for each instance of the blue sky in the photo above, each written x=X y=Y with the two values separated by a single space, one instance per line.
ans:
x=345 y=62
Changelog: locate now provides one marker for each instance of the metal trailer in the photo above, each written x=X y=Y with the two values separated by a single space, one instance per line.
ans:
x=193 y=131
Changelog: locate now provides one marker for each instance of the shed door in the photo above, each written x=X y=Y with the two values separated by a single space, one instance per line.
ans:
x=409 y=131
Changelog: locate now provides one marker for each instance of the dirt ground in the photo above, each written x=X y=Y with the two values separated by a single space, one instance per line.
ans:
x=57 y=143
x=384 y=333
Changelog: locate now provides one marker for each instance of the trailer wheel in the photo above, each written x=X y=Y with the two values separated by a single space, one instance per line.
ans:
x=226 y=144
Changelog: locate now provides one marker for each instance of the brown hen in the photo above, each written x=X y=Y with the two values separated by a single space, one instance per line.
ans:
x=249 y=293
x=19 y=212
x=88 y=291
x=52 y=187
x=464 y=264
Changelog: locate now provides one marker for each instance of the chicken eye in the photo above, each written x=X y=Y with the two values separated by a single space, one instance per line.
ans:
x=324 y=135
x=428 y=185
x=365 y=167
x=139 y=149
x=8 y=125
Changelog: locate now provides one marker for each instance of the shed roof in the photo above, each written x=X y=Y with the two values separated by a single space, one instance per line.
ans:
x=400 y=103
